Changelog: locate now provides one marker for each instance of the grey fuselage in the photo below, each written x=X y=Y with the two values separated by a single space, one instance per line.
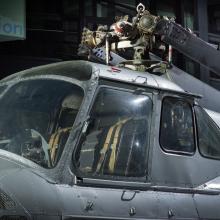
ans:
x=175 y=187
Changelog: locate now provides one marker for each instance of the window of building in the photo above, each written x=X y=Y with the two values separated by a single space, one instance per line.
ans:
x=176 y=132
x=191 y=67
x=88 y=7
x=208 y=135
x=117 y=137
x=214 y=17
x=104 y=9
x=166 y=8
x=121 y=9
x=188 y=14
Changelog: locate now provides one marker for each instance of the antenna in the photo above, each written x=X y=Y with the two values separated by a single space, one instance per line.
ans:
x=107 y=48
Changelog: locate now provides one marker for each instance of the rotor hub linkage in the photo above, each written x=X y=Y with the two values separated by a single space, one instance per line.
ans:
x=123 y=40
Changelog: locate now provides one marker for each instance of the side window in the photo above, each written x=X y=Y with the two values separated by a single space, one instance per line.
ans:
x=117 y=137
x=208 y=134
x=176 y=132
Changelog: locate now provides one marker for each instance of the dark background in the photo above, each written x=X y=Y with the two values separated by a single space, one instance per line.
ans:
x=54 y=30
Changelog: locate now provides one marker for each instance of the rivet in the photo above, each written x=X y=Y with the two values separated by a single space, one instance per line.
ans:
x=132 y=211
x=89 y=206
x=170 y=214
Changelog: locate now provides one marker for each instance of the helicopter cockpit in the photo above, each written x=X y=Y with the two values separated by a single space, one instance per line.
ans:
x=36 y=117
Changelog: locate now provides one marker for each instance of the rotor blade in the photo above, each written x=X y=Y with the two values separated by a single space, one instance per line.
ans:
x=189 y=44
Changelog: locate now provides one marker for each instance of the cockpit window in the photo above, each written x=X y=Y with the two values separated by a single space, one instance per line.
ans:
x=36 y=117
x=208 y=135
x=176 y=132
x=117 y=137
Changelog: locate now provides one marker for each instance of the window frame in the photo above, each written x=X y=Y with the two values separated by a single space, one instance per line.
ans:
x=197 y=132
x=119 y=86
x=181 y=153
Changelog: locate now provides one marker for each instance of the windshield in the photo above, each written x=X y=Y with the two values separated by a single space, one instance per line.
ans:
x=36 y=117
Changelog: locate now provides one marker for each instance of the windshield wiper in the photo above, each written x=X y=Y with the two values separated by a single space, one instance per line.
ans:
x=143 y=186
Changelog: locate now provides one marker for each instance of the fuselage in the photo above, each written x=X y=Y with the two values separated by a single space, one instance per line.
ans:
x=80 y=140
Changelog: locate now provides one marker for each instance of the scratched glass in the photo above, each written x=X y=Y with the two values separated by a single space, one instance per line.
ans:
x=208 y=135
x=36 y=118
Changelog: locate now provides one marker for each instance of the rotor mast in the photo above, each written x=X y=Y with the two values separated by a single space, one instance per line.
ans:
x=129 y=43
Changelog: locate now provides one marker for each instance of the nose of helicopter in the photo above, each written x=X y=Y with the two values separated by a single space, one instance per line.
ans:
x=23 y=192
x=8 y=202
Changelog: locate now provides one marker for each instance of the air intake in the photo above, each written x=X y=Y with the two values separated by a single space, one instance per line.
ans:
x=5 y=201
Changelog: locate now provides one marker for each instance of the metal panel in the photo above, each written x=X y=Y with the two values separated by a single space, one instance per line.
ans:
x=178 y=170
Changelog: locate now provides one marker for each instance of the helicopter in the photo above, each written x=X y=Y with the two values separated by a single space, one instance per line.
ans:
x=111 y=137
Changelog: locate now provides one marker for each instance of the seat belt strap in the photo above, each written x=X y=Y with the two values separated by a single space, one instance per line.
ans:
x=54 y=141
x=114 y=146
x=105 y=147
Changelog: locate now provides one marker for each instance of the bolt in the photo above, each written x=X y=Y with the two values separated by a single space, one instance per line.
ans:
x=89 y=206
x=132 y=211
x=170 y=214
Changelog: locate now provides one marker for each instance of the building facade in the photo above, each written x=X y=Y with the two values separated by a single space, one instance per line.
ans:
x=53 y=30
